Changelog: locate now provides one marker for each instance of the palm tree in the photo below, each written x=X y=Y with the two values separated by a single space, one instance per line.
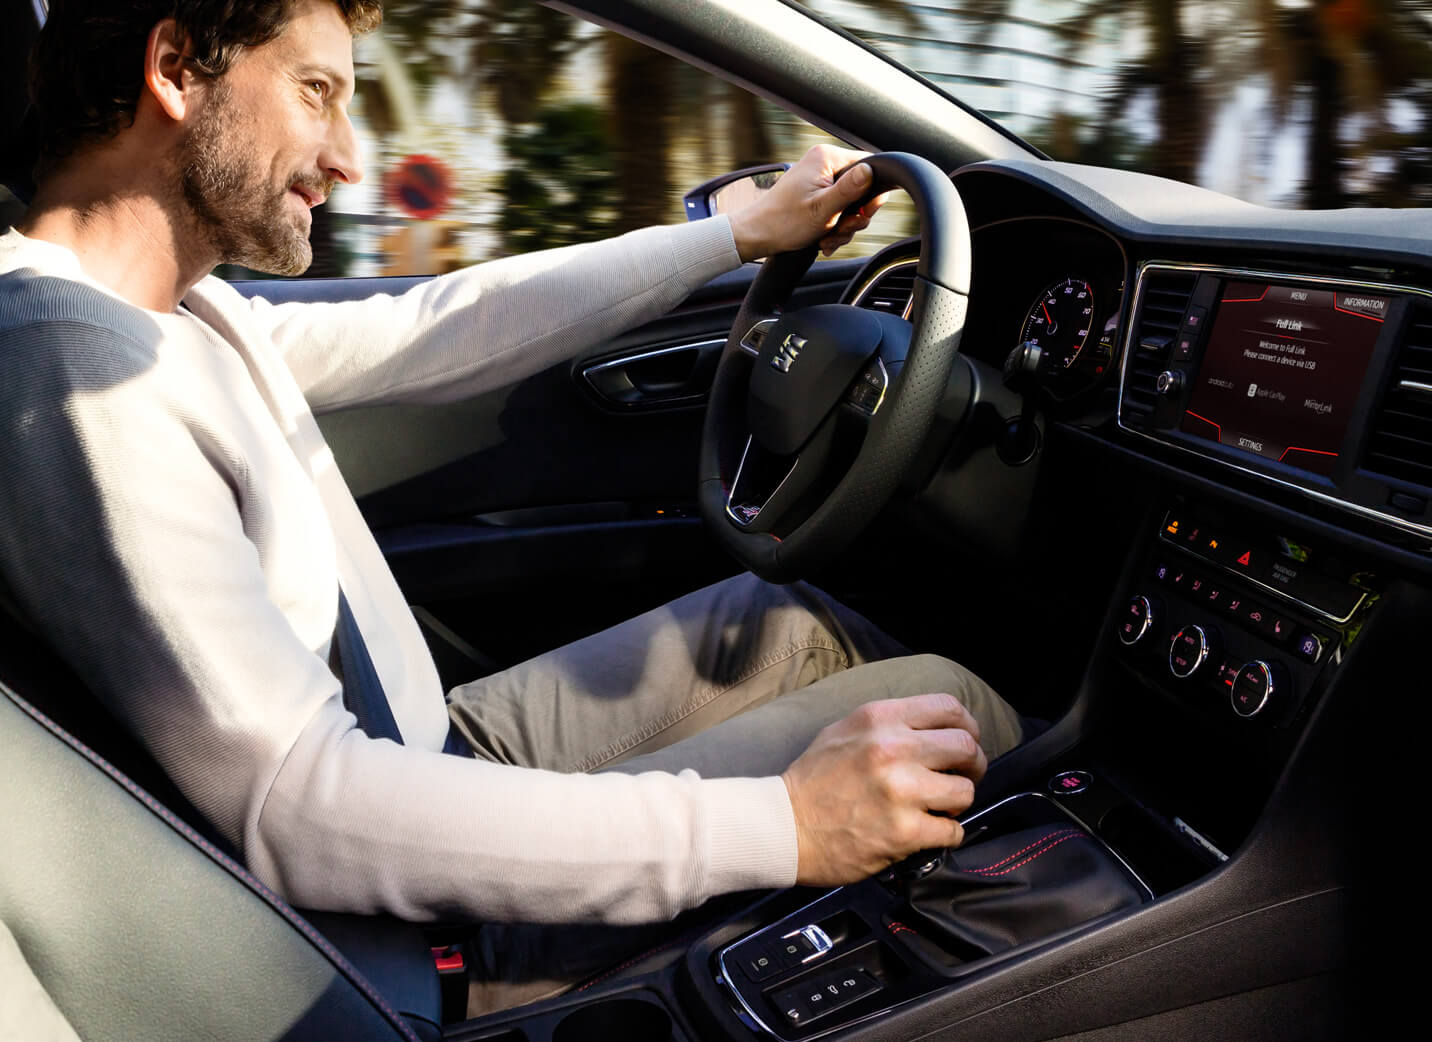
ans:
x=1350 y=59
x=1168 y=72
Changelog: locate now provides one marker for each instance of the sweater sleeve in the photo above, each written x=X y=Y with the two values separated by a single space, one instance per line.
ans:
x=495 y=323
x=132 y=541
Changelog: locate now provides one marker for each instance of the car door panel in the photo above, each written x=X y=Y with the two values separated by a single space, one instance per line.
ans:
x=518 y=503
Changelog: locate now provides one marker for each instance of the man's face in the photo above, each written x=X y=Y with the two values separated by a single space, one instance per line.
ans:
x=269 y=142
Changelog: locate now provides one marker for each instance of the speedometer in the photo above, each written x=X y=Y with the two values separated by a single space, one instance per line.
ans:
x=1061 y=321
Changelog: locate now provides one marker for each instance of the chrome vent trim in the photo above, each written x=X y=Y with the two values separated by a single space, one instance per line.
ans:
x=1163 y=301
x=1399 y=438
x=891 y=289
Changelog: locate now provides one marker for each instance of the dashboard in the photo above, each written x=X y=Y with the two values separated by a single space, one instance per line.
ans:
x=1235 y=407
x=1289 y=352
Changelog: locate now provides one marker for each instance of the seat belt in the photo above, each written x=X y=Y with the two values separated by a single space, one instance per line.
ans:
x=362 y=688
x=363 y=694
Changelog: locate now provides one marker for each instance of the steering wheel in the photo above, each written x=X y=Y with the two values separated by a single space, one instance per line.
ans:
x=816 y=415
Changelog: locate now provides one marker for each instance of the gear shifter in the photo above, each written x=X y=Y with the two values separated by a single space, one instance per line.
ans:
x=1020 y=886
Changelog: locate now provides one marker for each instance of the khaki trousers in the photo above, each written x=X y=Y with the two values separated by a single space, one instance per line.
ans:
x=734 y=680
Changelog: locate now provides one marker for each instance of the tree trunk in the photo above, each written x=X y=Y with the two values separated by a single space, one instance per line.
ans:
x=1179 y=99
x=750 y=138
x=1322 y=188
x=640 y=82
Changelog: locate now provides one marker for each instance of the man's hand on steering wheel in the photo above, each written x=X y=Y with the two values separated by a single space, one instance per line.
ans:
x=807 y=204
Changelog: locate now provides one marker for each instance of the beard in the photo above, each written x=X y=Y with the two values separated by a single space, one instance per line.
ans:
x=241 y=215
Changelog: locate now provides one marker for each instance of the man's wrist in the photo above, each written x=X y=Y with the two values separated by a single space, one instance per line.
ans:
x=749 y=244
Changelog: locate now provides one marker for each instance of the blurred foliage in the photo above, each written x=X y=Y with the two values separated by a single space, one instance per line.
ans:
x=518 y=48
x=1349 y=81
x=1077 y=139
x=1334 y=68
x=561 y=184
x=1350 y=60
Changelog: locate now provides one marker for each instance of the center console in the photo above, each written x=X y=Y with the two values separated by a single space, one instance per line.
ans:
x=1029 y=870
x=1177 y=816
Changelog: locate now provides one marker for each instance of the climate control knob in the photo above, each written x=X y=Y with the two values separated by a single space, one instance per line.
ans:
x=1190 y=651
x=1139 y=619
x=1258 y=686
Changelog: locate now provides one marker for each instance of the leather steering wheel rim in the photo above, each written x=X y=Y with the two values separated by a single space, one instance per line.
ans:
x=900 y=426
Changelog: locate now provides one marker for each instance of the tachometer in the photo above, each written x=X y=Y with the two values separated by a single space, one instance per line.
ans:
x=1061 y=322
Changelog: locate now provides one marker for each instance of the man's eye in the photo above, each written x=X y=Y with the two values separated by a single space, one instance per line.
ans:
x=318 y=88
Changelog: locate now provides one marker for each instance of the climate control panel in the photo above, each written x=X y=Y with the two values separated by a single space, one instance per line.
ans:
x=1238 y=622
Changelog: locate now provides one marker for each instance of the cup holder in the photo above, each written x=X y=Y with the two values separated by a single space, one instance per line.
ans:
x=632 y=1020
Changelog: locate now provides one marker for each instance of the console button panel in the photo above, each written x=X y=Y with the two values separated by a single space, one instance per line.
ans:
x=1247 y=620
x=824 y=994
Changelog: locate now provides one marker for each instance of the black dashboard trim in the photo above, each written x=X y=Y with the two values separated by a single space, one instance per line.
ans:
x=1415 y=559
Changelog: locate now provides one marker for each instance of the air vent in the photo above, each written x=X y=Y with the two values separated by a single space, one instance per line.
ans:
x=1164 y=301
x=1399 y=443
x=890 y=291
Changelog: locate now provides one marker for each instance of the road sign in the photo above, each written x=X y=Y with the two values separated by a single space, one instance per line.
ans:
x=421 y=186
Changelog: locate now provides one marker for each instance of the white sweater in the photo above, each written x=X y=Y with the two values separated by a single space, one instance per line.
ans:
x=175 y=524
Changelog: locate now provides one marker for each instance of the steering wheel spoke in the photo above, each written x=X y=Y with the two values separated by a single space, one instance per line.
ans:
x=760 y=478
x=755 y=337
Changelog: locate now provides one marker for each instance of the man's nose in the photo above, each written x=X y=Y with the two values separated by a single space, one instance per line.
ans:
x=341 y=160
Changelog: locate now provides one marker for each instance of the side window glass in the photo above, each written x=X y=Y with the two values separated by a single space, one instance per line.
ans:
x=501 y=128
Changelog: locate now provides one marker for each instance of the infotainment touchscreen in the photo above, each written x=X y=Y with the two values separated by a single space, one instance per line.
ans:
x=1283 y=367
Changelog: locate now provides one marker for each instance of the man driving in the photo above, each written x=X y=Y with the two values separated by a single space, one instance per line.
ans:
x=177 y=528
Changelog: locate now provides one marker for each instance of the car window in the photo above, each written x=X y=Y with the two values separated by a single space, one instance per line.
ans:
x=496 y=128
x=1285 y=103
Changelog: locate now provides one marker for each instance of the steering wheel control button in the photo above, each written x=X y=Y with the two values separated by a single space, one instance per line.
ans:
x=1190 y=649
x=868 y=391
x=756 y=337
x=1070 y=783
x=1138 y=620
x=1258 y=685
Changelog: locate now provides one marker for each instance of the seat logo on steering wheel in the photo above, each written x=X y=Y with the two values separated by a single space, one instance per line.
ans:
x=788 y=352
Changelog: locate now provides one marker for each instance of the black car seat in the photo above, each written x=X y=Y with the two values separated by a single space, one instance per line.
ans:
x=137 y=924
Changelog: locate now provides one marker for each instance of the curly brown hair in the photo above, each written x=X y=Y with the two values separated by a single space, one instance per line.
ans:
x=85 y=70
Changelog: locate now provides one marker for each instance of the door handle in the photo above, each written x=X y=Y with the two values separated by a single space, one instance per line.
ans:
x=660 y=378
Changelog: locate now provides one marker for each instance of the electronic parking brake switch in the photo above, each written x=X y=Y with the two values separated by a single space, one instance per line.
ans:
x=787 y=952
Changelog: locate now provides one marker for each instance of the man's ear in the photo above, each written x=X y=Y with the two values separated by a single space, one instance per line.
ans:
x=167 y=75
